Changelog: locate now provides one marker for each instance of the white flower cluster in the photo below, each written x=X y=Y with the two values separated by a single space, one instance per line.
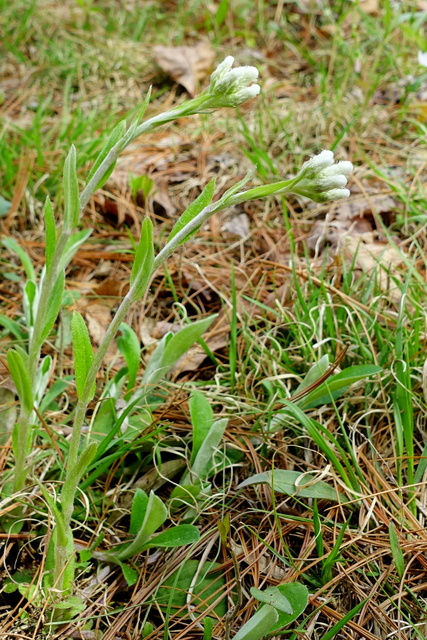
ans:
x=233 y=86
x=322 y=180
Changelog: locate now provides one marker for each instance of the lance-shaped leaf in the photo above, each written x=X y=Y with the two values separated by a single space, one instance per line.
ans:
x=142 y=268
x=29 y=302
x=171 y=348
x=178 y=536
x=13 y=327
x=116 y=135
x=21 y=378
x=236 y=187
x=12 y=245
x=272 y=596
x=138 y=511
x=336 y=385
x=259 y=624
x=129 y=347
x=131 y=132
x=76 y=474
x=202 y=418
x=83 y=353
x=155 y=515
x=202 y=466
x=202 y=201
x=50 y=232
x=71 y=247
x=294 y=483
x=71 y=191
x=54 y=307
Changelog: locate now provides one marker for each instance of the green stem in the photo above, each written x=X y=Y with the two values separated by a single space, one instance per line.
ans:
x=189 y=107
x=22 y=444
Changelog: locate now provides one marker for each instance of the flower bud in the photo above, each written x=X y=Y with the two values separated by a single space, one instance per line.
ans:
x=322 y=180
x=231 y=87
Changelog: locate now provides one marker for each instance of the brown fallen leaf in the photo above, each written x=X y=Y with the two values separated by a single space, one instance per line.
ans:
x=237 y=225
x=370 y=6
x=97 y=316
x=368 y=254
x=187 y=65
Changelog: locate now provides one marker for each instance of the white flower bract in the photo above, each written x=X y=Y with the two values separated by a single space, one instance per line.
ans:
x=322 y=180
x=233 y=86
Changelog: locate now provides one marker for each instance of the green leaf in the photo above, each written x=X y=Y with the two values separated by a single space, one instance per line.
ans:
x=138 y=511
x=76 y=473
x=72 y=603
x=272 y=596
x=315 y=372
x=171 y=348
x=71 y=191
x=341 y=623
x=259 y=625
x=142 y=268
x=116 y=135
x=284 y=481
x=202 y=201
x=396 y=551
x=297 y=595
x=184 y=495
x=130 y=134
x=129 y=574
x=221 y=12
x=13 y=327
x=72 y=246
x=129 y=347
x=140 y=183
x=236 y=187
x=202 y=418
x=13 y=246
x=4 y=206
x=50 y=232
x=29 y=301
x=337 y=385
x=21 y=378
x=202 y=465
x=210 y=583
x=54 y=305
x=178 y=536
x=208 y=624
x=155 y=516
x=83 y=353
x=54 y=391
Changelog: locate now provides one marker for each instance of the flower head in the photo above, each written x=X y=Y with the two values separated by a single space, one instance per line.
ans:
x=231 y=87
x=322 y=180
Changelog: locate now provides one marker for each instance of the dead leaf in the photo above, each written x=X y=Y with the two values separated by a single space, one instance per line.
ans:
x=97 y=316
x=238 y=225
x=369 y=6
x=187 y=64
x=215 y=339
x=162 y=199
x=146 y=330
x=367 y=254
